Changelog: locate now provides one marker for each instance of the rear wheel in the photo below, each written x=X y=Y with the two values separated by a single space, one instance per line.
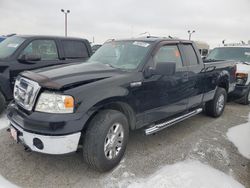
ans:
x=106 y=139
x=216 y=106
x=2 y=103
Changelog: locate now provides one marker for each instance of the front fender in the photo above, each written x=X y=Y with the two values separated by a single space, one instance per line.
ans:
x=223 y=77
x=91 y=99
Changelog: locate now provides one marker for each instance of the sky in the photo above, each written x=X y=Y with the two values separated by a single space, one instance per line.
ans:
x=99 y=20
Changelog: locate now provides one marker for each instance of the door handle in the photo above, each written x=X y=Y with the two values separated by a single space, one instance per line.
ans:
x=185 y=77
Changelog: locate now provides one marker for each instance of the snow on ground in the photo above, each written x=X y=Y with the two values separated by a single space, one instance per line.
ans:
x=3 y=121
x=5 y=183
x=186 y=174
x=240 y=137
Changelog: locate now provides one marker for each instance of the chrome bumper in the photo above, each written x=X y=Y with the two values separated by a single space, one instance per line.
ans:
x=47 y=144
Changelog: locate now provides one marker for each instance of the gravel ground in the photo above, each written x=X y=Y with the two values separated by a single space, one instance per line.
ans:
x=200 y=138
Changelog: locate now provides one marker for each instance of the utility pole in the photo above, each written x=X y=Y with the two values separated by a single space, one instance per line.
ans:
x=66 y=12
x=190 y=34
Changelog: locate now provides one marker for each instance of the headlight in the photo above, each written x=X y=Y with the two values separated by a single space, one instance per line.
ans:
x=55 y=103
x=241 y=78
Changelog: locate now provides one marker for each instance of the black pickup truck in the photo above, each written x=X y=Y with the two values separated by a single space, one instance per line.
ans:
x=148 y=83
x=19 y=53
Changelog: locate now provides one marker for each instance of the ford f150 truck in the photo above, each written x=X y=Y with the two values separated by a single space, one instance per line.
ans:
x=148 y=83
x=240 y=54
x=19 y=53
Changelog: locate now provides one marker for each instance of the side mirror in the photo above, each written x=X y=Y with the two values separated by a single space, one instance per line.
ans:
x=162 y=68
x=29 y=57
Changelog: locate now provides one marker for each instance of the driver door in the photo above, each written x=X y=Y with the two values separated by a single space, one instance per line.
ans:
x=165 y=96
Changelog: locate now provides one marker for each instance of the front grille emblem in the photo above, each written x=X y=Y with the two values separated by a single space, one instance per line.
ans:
x=25 y=92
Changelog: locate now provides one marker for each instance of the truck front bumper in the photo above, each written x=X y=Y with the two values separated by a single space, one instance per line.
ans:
x=46 y=133
x=239 y=91
x=45 y=144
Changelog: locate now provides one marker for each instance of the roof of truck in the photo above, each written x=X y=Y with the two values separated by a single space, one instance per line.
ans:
x=49 y=37
x=154 y=39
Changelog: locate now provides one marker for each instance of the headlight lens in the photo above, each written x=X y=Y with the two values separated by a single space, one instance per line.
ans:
x=55 y=103
x=241 y=78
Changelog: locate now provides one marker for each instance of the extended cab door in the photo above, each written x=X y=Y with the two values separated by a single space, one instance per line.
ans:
x=163 y=96
x=195 y=82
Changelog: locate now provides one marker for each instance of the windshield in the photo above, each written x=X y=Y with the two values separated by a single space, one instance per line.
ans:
x=122 y=54
x=9 y=46
x=230 y=53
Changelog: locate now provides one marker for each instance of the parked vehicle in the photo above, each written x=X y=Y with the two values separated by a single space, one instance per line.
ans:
x=241 y=54
x=95 y=47
x=203 y=48
x=19 y=53
x=148 y=83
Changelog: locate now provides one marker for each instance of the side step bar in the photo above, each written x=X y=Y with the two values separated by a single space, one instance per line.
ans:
x=158 y=127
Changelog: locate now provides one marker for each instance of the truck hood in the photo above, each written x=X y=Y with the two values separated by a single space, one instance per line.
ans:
x=66 y=76
x=243 y=68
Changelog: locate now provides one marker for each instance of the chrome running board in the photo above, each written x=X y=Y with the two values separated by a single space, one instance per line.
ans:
x=158 y=127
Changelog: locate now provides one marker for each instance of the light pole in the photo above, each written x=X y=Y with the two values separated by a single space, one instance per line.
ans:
x=190 y=34
x=66 y=12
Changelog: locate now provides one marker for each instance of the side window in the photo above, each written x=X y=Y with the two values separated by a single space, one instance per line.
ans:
x=74 y=49
x=190 y=55
x=169 y=53
x=45 y=48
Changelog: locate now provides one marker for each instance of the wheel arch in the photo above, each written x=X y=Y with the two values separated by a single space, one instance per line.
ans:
x=114 y=103
x=223 y=81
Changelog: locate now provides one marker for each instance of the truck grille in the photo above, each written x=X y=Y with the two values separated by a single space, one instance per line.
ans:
x=25 y=92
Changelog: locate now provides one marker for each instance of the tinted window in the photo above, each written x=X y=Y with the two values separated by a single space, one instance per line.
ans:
x=45 y=48
x=75 y=49
x=190 y=54
x=169 y=53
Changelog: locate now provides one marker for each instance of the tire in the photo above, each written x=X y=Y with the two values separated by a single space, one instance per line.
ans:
x=215 y=107
x=2 y=103
x=246 y=98
x=101 y=132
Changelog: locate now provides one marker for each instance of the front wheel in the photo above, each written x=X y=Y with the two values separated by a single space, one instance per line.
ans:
x=105 y=141
x=216 y=107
